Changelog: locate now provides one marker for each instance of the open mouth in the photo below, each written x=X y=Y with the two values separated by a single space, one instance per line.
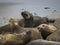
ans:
x=26 y=16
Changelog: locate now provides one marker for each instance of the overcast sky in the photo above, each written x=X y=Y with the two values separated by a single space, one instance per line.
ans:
x=9 y=8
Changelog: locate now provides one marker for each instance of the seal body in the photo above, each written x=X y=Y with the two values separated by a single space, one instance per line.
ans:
x=30 y=20
x=54 y=36
x=43 y=42
x=46 y=29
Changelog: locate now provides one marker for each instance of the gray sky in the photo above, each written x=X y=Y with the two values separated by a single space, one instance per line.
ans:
x=12 y=8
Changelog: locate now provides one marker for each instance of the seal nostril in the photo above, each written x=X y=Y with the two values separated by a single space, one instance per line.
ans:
x=38 y=28
x=29 y=32
x=43 y=25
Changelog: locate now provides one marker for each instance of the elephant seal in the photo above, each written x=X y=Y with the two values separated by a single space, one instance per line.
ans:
x=35 y=34
x=15 y=38
x=54 y=36
x=46 y=29
x=43 y=42
x=31 y=21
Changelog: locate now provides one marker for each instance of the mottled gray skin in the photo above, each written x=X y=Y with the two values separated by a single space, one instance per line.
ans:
x=43 y=42
x=32 y=21
x=54 y=36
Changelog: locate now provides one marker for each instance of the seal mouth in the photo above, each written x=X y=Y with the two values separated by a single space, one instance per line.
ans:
x=26 y=16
